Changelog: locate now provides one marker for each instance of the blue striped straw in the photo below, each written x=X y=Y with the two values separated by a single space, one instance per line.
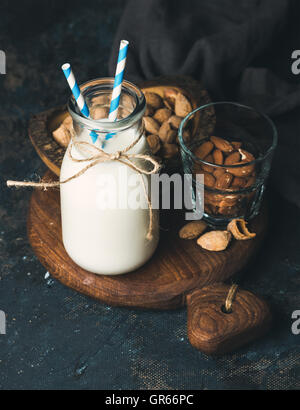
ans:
x=77 y=95
x=75 y=90
x=115 y=98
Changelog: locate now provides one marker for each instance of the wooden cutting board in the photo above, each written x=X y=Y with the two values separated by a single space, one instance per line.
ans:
x=177 y=268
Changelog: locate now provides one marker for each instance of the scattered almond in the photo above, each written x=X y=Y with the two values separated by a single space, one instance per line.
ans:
x=192 y=230
x=214 y=240
x=238 y=228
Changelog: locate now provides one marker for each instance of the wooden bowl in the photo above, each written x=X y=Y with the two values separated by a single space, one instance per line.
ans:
x=43 y=124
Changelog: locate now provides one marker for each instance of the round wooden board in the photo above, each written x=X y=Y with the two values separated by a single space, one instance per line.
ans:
x=177 y=268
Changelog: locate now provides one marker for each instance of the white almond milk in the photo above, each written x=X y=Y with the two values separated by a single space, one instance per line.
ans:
x=105 y=241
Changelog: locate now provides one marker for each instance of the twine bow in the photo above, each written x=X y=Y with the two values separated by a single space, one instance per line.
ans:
x=100 y=156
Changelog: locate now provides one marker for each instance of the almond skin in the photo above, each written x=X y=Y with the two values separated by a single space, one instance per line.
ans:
x=221 y=144
x=224 y=181
x=233 y=158
x=192 y=230
x=162 y=115
x=182 y=105
x=204 y=149
x=151 y=125
x=214 y=240
x=238 y=228
x=153 y=99
x=154 y=143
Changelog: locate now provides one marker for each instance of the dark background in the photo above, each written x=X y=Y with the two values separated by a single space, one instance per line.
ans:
x=59 y=339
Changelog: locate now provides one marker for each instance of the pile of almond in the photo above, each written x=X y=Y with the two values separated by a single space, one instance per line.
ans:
x=162 y=120
x=219 y=151
x=216 y=240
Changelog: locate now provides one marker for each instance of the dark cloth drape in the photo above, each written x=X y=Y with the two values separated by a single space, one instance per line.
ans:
x=240 y=50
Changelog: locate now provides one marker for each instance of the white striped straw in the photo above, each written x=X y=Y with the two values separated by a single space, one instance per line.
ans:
x=75 y=89
x=115 y=98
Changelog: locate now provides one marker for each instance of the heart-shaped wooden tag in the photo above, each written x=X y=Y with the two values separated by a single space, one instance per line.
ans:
x=222 y=318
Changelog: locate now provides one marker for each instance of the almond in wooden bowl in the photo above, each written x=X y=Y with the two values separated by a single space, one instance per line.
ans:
x=170 y=103
x=161 y=94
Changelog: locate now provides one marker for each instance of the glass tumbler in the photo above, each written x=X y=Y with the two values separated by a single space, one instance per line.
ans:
x=235 y=158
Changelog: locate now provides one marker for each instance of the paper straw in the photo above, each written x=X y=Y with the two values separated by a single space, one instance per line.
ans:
x=75 y=90
x=78 y=96
x=115 y=98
